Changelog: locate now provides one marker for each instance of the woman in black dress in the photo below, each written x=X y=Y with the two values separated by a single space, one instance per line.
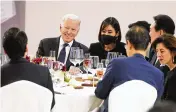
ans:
x=165 y=47
x=109 y=39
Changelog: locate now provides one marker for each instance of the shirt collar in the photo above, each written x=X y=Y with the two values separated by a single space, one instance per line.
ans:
x=138 y=55
x=62 y=42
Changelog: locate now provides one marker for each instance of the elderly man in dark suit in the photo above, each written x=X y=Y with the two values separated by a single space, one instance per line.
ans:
x=134 y=67
x=69 y=29
x=15 y=45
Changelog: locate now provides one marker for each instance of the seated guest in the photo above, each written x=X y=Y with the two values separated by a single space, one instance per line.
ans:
x=109 y=39
x=163 y=107
x=144 y=24
x=69 y=29
x=18 y=68
x=165 y=47
x=134 y=67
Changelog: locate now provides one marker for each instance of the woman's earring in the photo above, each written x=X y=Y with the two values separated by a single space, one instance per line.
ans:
x=174 y=59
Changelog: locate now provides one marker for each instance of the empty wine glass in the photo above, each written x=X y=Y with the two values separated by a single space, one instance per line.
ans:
x=52 y=55
x=106 y=62
x=73 y=55
x=80 y=56
x=94 y=64
x=111 y=55
x=4 y=59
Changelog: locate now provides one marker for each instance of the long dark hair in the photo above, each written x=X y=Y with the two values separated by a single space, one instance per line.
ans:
x=114 y=23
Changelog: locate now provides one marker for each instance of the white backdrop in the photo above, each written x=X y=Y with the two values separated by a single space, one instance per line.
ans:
x=42 y=19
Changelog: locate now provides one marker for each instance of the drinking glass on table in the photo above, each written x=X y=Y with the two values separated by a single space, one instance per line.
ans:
x=87 y=62
x=105 y=62
x=111 y=55
x=52 y=55
x=73 y=55
x=80 y=56
x=100 y=70
x=94 y=64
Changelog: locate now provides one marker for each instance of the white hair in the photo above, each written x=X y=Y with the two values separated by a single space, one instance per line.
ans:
x=70 y=16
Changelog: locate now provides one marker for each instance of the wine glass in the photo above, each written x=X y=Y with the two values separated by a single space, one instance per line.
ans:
x=106 y=62
x=111 y=55
x=94 y=64
x=73 y=55
x=100 y=70
x=87 y=62
x=52 y=55
x=80 y=56
x=4 y=59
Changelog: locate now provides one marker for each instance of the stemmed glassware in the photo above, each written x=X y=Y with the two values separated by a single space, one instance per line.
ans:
x=52 y=55
x=80 y=56
x=4 y=59
x=100 y=70
x=73 y=55
x=87 y=62
x=111 y=55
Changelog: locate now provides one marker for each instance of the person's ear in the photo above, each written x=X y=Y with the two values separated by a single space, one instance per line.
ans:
x=117 y=34
x=26 y=48
x=130 y=46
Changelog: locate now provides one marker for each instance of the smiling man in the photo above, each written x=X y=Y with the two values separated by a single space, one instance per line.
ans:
x=69 y=29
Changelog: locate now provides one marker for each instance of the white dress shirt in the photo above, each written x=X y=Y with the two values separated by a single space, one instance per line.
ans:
x=67 y=48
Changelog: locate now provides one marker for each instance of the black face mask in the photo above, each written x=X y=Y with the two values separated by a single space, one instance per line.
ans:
x=107 y=39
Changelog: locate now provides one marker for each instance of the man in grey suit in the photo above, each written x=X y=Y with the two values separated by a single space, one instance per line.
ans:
x=15 y=46
x=69 y=29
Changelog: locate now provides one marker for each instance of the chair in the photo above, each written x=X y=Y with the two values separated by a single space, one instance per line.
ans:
x=25 y=96
x=132 y=96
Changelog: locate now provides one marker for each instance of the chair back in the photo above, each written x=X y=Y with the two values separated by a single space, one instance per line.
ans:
x=132 y=96
x=25 y=96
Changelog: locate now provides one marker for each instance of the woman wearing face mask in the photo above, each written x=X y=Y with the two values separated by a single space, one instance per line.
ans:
x=109 y=39
x=165 y=47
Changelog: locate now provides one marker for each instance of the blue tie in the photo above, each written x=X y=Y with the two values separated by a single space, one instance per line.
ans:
x=62 y=54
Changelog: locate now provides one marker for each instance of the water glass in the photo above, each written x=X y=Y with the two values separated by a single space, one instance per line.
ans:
x=52 y=55
x=111 y=55
x=99 y=70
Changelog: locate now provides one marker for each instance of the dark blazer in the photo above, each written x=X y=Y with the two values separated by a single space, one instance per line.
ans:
x=170 y=85
x=96 y=49
x=21 y=69
x=48 y=44
x=121 y=70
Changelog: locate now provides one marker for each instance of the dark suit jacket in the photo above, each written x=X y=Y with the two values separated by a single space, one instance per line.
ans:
x=21 y=69
x=96 y=49
x=121 y=70
x=170 y=84
x=48 y=44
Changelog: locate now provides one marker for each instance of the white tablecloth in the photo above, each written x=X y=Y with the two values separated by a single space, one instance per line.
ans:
x=75 y=100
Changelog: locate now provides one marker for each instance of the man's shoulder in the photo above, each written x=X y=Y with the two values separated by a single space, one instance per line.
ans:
x=97 y=44
x=80 y=45
x=40 y=67
x=49 y=39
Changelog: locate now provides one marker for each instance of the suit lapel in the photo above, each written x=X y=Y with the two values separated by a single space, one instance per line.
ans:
x=57 y=46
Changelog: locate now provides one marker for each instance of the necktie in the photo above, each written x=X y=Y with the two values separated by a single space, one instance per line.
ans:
x=62 y=54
